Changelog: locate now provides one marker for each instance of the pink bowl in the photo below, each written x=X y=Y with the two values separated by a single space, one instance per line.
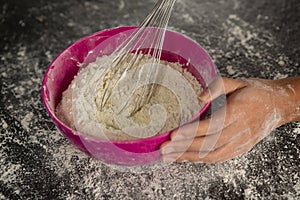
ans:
x=177 y=48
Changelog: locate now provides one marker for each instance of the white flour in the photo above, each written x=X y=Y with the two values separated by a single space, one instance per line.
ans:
x=174 y=101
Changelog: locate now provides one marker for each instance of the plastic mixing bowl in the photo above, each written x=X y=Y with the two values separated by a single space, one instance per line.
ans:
x=176 y=48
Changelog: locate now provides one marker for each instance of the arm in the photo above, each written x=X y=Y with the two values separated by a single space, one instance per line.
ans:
x=291 y=102
x=254 y=107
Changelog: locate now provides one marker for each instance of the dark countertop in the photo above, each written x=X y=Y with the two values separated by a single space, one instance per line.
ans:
x=258 y=38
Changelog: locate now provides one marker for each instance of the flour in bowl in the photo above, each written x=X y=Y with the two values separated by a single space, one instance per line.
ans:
x=174 y=100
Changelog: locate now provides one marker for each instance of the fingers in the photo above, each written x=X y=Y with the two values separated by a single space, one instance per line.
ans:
x=177 y=146
x=213 y=157
x=212 y=140
x=195 y=129
x=219 y=119
x=206 y=143
x=217 y=122
x=226 y=152
x=220 y=86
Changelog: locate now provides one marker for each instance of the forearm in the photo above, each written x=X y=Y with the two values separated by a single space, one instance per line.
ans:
x=289 y=102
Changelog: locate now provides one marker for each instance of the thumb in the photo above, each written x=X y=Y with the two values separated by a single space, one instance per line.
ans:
x=220 y=86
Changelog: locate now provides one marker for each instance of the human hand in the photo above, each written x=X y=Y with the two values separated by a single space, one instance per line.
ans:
x=254 y=107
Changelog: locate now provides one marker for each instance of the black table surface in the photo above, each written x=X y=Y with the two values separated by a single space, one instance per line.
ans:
x=258 y=38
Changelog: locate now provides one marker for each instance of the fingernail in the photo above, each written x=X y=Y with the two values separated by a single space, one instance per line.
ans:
x=185 y=161
x=178 y=137
x=168 y=159
x=204 y=96
x=167 y=150
x=202 y=155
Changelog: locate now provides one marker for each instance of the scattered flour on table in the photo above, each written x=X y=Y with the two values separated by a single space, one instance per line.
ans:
x=26 y=120
x=4 y=124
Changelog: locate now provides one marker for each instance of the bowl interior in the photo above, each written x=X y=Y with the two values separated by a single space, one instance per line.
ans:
x=176 y=48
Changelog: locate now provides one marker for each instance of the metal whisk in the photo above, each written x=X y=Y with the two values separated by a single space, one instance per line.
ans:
x=146 y=41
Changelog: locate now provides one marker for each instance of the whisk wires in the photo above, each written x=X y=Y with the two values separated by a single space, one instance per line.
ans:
x=147 y=42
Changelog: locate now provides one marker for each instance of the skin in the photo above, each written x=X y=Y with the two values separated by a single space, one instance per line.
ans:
x=253 y=108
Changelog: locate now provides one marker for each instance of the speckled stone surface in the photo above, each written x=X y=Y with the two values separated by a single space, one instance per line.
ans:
x=258 y=38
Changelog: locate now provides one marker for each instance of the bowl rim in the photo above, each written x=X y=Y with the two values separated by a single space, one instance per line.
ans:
x=93 y=138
